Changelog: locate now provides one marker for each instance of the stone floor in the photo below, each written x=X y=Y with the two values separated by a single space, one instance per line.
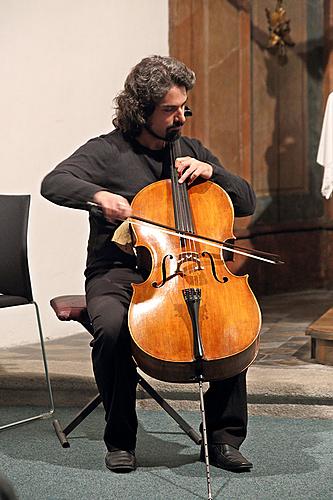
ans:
x=283 y=372
x=285 y=320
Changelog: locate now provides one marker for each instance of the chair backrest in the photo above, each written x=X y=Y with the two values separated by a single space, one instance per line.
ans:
x=14 y=268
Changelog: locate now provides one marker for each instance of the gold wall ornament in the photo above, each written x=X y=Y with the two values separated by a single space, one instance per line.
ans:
x=279 y=30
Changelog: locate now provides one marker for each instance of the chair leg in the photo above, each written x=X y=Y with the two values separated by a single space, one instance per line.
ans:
x=47 y=378
x=63 y=433
x=171 y=411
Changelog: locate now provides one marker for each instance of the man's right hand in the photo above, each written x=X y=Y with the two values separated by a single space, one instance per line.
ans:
x=114 y=207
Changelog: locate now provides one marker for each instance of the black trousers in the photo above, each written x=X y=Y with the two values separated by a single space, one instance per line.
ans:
x=108 y=298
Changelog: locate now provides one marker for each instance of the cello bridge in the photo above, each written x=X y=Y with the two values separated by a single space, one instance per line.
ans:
x=185 y=257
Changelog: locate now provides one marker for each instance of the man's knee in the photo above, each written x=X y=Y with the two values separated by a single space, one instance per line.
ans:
x=109 y=319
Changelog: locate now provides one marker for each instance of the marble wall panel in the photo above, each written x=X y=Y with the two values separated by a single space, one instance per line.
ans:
x=217 y=48
x=279 y=105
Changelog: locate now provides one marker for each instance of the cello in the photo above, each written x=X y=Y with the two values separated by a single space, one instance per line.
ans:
x=191 y=320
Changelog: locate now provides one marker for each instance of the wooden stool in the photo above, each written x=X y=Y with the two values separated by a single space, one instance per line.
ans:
x=321 y=333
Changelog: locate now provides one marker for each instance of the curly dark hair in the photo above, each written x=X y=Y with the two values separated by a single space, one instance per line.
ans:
x=145 y=86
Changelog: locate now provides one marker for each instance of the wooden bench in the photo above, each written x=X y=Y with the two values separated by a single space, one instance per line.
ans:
x=321 y=333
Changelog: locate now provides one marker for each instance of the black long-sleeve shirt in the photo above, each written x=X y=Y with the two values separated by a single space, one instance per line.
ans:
x=111 y=163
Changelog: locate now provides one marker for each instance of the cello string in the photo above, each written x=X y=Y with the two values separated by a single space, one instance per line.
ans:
x=194 y=246
x=178 y=207
x=187 y=220
x=190 y=246
x=191 y=249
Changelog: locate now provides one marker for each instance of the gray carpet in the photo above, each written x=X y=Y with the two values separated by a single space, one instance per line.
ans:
x=292 y=460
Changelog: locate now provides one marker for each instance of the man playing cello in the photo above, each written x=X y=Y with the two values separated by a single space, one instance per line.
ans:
x=110 y=170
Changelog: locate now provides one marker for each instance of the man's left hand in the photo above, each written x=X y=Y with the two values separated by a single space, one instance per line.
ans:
x=190 y=169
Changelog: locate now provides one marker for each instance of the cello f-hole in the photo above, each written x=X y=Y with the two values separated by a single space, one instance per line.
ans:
x=224 y=278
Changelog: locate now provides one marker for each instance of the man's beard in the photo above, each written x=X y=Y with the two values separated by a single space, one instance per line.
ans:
x=173 y=135
x=170 y=136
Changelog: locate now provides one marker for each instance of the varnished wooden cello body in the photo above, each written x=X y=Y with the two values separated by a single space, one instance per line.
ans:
x=192 y=318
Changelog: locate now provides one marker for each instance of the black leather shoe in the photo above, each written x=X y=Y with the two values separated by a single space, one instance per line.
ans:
x=226 y=457
x=120 y=460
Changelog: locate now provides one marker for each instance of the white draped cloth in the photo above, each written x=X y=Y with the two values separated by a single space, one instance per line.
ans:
x=325 y=151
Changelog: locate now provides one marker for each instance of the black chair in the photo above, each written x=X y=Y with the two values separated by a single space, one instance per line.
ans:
x=15 y=285
x=73 y=308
